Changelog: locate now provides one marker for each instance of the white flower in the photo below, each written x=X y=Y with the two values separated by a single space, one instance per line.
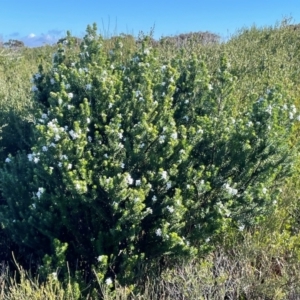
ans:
x=44 y=116
x=291 y=115
x=89 y=138
x=59 y=164
x=164 y=174
x=158 y=232
x=138 y=93
x=129 y=179
x=69 y=166
x=68 y=86
x=233 y=191
x=154 y=198
x=40 y=192
x=186 y=118
x=88 y=120
x=298 y=118
x=105 y=155
x=70 y=95
x=149 y=210
x=264 y=190
x=52 y=81
x=54 y=275
x=36 y=160
x=122 y=165
x=210 y=87
x=52 y=145
x=200 y=131
x=169 y=185
x=269 y=109
x=56 y=137
x=142 y=145
x=45 y=148
x=249 y=124
x=230 y=190
x=73 y=134
x=108 y=281
x=110 y=105
x=100 y=258
x=138 y=182
x=294 y=109
x=174 y=135
x=207 y=240
x=7 y=160
x=146 y=51
x=241 y=227
x=170 y=209
x=161 y=139
x=30 y=157
x=120 y=135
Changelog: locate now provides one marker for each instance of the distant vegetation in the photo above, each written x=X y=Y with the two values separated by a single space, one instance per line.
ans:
x=135 y=168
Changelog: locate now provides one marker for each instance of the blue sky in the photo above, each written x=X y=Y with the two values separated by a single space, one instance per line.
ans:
x=42 y=21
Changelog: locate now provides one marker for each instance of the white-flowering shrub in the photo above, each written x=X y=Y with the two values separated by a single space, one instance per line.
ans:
x=137 y=160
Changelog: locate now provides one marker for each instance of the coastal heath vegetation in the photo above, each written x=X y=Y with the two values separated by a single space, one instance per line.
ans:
x=131 y=163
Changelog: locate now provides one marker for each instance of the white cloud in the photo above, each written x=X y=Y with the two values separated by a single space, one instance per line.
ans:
x=37 y=40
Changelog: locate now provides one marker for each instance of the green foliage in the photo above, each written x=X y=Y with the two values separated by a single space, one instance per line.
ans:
x=15 y=103
x=14 y=44
x=138 y=158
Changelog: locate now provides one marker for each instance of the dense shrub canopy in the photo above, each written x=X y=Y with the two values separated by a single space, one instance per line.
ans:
x=142 y=157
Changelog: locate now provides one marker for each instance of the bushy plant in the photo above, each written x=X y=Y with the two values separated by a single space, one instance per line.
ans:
x=137 y=160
